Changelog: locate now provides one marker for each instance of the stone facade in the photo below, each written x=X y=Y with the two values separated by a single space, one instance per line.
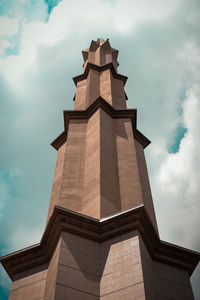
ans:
x=118 y=268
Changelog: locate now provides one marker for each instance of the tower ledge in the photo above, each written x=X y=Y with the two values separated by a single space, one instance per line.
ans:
x=99 y=231
x=101 y=68
x=85 y=114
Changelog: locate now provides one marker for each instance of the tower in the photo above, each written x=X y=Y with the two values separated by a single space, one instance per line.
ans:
x=101 y=239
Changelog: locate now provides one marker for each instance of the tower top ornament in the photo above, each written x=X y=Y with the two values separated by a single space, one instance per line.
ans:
x=100 y=53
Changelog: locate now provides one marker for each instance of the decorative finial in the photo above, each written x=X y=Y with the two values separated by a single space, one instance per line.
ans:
x=100 y=40
x=100 y=52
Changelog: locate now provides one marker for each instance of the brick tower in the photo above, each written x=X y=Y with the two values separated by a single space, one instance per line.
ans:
x=101 y=239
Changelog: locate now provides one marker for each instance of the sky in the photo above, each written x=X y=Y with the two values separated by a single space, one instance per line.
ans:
x=40 y=51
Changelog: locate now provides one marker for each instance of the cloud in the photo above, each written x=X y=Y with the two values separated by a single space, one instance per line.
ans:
x=51 y=4
x=178 y=179
x=63 y=23
x=25 y=10
x=8 y=29
x=8 y=26
x=14 y=14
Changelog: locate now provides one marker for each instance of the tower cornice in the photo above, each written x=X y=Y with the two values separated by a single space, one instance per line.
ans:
x=85 y=114
x=101 y=68
x=99 y=230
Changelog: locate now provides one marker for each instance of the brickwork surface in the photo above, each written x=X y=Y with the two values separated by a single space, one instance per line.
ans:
x=101 y=169
x=108 y=270
x=100 y=83
x=29 y=285
x=119 y=268
x=162 y=280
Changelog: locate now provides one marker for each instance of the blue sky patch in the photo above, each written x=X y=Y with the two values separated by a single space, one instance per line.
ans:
x=5 y=287
x=51 y=4
x=5 y=8
x=179 y=134
x=4 y=293
x=31 y=10
x=14 y=40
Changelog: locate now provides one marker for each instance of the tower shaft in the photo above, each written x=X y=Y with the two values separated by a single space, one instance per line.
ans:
x=101 y=166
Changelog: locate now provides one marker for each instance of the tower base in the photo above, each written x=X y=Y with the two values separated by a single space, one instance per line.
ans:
x=119 y=257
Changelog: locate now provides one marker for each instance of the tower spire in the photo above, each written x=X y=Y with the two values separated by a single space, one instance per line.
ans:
x=100 y=53
x=101 y=166
x=100 y=77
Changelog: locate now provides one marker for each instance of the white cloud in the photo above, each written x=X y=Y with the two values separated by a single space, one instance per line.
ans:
x=121 y=17
x=31 y=235
x=8 y=26
x=128 y=14
x=4 y=43
x=177 y=180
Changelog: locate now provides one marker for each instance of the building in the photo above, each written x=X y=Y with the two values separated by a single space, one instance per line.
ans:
x=101 y=239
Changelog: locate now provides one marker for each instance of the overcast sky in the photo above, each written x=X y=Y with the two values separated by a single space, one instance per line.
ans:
x=40 y=51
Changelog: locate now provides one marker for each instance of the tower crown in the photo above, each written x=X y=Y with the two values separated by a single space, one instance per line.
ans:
x=100 y=77
x=100 y=53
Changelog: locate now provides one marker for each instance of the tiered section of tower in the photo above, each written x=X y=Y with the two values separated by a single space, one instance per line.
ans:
x=100 y=77
x=101 y=167
x=101 y=239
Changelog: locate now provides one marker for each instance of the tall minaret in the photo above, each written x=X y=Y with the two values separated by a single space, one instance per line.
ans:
x=101 y=167
x=101 y=239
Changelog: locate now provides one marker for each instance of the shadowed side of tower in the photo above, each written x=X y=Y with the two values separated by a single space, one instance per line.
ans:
x=101 y=239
